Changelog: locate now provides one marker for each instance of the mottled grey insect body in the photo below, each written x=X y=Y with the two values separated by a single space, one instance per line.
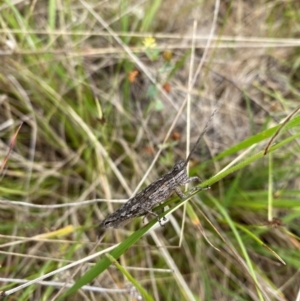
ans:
x=156 y=193
x=152 y=195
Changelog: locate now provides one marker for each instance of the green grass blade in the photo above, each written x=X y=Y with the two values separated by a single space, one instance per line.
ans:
x=104 y=263
x=131 y=279
x=257 y=138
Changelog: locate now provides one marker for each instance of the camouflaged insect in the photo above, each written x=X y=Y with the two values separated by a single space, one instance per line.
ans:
x=156 y=193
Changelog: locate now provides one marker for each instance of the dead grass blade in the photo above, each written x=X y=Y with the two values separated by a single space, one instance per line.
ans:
x=11 y=145
x=280 y=128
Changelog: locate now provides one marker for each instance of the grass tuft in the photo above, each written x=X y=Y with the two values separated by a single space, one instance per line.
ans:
x=108 y=100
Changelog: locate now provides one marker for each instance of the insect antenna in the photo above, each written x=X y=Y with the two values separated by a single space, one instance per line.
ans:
x=200 y=137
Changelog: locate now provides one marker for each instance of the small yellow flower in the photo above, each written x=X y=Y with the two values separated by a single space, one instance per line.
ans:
x=149 y=42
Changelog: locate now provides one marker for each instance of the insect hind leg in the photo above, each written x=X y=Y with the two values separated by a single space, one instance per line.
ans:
x=184 y=196
x=193 y=179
